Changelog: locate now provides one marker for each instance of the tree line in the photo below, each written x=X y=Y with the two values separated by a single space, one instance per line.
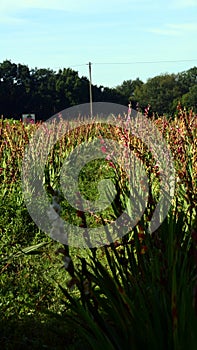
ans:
x=45 y=92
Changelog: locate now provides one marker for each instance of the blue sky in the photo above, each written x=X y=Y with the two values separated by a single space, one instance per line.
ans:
x=64 y=33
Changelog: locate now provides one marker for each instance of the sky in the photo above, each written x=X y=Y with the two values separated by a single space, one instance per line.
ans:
x=123 y=39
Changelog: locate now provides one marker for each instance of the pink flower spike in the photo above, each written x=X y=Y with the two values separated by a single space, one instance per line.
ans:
x=112 y=164
x=129 y=112
x=108 y=157
x=103 y=149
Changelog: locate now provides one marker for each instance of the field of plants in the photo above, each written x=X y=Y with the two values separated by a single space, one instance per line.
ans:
x=138 y=290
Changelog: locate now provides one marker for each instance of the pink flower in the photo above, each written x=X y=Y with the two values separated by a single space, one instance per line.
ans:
x=102 y=141
x=129 y=112
x=104 y=149
x=112 y=164
x=108 y=157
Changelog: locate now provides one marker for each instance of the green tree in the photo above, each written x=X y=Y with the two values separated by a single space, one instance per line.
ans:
x=187 y=79
x=46 y=92
x=8 y=76
x=189 y=100
x=159 y=92
x=127 y=89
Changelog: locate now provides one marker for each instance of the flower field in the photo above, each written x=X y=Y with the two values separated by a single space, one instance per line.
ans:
x=139 y=289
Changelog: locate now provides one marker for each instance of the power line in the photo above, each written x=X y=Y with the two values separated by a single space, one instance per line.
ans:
x=147 y=62
x=130 y=63
x=72 y=66
x=78 y=65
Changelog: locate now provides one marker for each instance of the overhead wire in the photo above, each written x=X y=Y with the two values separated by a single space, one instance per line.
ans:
x=132 y=62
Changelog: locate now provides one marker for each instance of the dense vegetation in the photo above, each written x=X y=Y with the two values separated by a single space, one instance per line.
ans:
x=46 y=92
x=163 y=92
x=137 y=292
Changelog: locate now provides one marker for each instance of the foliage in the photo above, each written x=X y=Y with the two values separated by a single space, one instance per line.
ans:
x=46 y=92
x=127 y=89
x=139 y=291
x=140 y=298
x=143 y=292
x=163 y=92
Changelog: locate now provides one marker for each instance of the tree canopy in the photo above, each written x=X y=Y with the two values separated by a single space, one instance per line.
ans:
x=164 y=92
x=45 y=92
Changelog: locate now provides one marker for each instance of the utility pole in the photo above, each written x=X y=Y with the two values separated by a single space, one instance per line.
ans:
x=90 y=79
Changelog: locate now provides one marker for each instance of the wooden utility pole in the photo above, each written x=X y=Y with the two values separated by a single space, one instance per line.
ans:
x=90 y=78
